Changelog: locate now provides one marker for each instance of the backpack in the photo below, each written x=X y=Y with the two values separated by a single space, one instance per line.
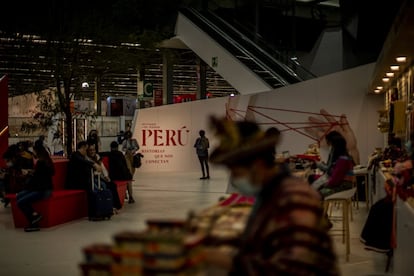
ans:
x=136 y=161
x=202 y=146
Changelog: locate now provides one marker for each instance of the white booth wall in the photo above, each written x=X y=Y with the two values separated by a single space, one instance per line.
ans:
x=166 y=134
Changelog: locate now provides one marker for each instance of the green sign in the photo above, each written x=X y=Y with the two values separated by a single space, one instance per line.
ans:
x=214 y=61
x=148 y=90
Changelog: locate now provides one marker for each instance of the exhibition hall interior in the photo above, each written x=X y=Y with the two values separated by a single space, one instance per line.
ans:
x=207 y=137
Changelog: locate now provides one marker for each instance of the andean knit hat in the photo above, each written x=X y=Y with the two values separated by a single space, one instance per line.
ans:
x=239 y=140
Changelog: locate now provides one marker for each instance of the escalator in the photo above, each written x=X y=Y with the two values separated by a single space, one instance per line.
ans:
x=211 y=37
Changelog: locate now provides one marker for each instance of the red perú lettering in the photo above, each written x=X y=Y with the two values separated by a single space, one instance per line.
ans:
x=168 y=137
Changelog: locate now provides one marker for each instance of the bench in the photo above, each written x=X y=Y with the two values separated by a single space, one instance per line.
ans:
x=61 y=207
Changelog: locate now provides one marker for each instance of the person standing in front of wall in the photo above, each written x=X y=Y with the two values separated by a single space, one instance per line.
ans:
x=202 y=144
x=130 y=147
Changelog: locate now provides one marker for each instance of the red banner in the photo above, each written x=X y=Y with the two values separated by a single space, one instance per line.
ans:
x=4 y=118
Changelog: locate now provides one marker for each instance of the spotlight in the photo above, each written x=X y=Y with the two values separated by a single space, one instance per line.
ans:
x=401 y=59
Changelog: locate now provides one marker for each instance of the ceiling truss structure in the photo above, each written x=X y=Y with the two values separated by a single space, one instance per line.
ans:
x=27 y=62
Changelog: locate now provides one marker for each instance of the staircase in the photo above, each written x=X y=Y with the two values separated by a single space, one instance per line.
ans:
x=242 y=62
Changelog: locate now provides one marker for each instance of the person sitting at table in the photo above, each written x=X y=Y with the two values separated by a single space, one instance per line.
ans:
x=38 y=187
x=106 y=182
x=339 y=169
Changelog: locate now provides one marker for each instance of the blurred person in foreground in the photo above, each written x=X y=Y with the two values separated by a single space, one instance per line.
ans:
x=286 y=233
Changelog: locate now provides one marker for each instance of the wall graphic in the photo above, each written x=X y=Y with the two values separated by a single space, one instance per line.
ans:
x=343 y=95
x=166 y=134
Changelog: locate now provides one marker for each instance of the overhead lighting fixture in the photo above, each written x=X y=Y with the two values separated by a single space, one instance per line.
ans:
x=385 y=79
x=401 y=59
x=390 y=74
x=377 y=91
x=395 y=67
x=379 y=87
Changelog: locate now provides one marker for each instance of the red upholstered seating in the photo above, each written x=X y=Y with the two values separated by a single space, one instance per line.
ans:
x=62 y=206
x=121 y=185
x=59 y=178
x=105 y=162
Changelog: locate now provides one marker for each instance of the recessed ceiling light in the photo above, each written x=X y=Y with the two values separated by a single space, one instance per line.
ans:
x=401 y=59
x=395 y=67
x=379 y=87
x=377 y=91
x=385 y=79
x=389 y=74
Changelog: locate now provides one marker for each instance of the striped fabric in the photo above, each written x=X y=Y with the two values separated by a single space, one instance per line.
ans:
x=286 y=233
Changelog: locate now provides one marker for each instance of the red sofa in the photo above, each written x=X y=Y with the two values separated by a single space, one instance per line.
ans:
x=62 y=206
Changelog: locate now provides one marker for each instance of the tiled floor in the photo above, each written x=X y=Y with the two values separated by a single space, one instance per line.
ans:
x=57 y=250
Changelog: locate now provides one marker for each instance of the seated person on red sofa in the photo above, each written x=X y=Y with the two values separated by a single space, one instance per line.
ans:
x=12 y=178
x=79 y=169
x=106 y=182
x=39 y=186
x=79 y=172
x=118 y=168
x=5 y=175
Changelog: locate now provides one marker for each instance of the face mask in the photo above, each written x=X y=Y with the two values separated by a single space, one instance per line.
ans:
x=245 y=187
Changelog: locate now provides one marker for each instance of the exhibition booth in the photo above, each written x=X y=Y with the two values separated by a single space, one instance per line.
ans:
x=303 y=113
x=167 y=134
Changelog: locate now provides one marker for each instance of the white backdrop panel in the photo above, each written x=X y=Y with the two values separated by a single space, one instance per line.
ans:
x=167 y=133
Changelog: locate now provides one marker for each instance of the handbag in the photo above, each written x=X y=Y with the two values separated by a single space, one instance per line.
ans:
x=136 y=160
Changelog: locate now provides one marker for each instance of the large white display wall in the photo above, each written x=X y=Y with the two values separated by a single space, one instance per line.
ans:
x=166 y=134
